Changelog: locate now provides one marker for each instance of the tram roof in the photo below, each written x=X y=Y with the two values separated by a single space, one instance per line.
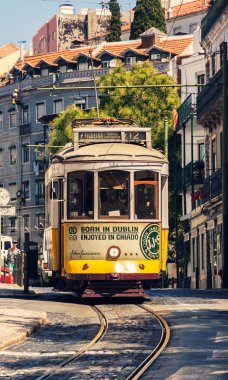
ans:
x=113 y=151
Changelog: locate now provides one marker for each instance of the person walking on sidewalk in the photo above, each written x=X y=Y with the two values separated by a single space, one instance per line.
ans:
x=10 y=261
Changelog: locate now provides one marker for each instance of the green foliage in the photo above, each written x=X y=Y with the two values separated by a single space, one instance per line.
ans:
x=62 y=131
x=148 y=14
x=115 y=24
x=147 y=106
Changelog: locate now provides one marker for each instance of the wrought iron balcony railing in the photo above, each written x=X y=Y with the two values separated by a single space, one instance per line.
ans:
x=212 y=16
x=184 y=112
x=192 y=176
x=25 y=129
x=212 y=186
x=209 y=95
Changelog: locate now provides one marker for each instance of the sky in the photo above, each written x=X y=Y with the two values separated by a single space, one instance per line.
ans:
x=21 y=19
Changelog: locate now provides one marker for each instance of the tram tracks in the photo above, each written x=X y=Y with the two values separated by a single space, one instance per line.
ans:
x=156 y=352
x=147 y=362
x=102 y=331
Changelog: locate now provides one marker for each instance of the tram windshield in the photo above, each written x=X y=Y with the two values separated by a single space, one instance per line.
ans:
x=146 y=195
x=80 y=195
x=114 y=194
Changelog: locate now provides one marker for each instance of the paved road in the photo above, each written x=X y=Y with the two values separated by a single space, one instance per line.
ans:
x=198 y=348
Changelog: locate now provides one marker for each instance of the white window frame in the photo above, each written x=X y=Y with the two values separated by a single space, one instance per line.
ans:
x=28 y=189
x=27 y=227
x=12 y=113
x=12 y=163
x=28 y=149
x=10 y=188
x=54 y=105
x=130 y=61
x=37 y=106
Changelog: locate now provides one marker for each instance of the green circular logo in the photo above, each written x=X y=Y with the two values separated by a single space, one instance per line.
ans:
x=150 y=241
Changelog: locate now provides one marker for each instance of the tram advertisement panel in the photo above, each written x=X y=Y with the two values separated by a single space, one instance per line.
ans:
x=91 y=241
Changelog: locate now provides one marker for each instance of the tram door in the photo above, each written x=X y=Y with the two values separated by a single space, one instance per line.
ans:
x=146 y=199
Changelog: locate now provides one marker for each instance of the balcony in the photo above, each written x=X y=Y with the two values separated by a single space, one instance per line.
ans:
x=47 y=81
x=25 y=129
x=212 y=186
x=213 y=15
x=195 y=177
x=210 y=95
x=39 y=199
x=184 y=112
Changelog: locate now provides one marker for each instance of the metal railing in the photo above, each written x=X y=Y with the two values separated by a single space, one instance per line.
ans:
x=212 y=16
x=25 y=129
x=209 y=94
x=191 y=176
x=212 y=186
x=184 y=111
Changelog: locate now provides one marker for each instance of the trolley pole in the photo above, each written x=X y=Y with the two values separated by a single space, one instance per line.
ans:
x=225 y=167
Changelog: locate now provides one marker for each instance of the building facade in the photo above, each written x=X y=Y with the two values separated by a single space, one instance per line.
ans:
x=203 y=234
x=185 y=17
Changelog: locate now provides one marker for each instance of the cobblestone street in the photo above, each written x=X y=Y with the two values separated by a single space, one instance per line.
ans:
x=198 y=347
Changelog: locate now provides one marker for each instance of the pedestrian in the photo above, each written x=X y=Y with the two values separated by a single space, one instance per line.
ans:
x=10 y=261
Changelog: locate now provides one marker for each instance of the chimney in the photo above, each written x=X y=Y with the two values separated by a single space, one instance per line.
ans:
x=92 y=23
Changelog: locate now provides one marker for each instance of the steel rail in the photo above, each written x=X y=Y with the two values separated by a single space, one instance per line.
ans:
x=150 y=359
x=102 y=331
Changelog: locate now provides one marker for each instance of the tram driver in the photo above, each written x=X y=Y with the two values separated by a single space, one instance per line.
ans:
x=112 y=206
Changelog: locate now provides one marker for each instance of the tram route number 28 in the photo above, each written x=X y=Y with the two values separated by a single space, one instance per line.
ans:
x=72 y=233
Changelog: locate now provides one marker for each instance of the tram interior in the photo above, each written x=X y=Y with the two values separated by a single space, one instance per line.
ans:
x=113 y=194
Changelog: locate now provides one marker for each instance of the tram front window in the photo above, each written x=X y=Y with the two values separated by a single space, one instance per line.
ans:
x=146 y=195
x=114 y=194
x=80 y=195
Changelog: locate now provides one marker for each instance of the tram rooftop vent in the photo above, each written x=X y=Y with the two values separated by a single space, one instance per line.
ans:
x=105 y=130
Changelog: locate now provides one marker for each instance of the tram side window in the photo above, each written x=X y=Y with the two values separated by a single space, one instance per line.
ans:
x=80 y=195
x=114 y=194
x=146 y=195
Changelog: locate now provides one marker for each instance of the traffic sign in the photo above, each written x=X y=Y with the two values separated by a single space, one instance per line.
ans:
x=4 y=197
x=7 y=210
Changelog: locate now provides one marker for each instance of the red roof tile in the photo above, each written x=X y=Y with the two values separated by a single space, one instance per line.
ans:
x=174 y=44
x=188 y=8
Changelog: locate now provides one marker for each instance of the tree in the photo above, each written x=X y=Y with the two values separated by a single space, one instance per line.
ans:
x=115 y=23
x=61 y=127
x=147 y=106
x=148 y=14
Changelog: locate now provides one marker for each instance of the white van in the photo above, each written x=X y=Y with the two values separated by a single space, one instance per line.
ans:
x=6 y=244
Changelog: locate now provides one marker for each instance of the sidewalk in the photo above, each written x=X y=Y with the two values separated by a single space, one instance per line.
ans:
x=15 y=323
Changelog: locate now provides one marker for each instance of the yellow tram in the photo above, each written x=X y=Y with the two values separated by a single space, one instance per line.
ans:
x=107 y=210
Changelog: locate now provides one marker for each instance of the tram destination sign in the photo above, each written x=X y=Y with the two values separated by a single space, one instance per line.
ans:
x=87 y=137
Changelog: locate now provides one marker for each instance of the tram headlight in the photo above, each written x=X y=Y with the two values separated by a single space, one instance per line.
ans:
x=113 y=252
x=141 y=266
